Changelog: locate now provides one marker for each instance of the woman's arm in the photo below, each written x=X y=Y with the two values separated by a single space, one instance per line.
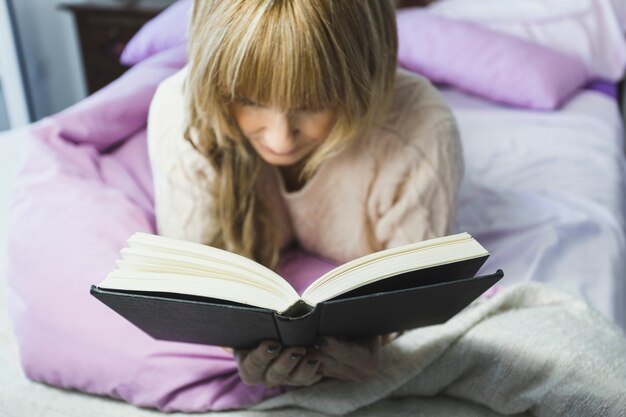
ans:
x=421 y=203
x=181 y=175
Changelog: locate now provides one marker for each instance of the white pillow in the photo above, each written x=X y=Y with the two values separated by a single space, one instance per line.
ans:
x=590 y=30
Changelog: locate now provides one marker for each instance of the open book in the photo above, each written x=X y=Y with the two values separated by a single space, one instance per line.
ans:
x=183 y=291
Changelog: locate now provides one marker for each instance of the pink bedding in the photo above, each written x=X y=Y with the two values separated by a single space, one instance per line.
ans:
x=84 y=188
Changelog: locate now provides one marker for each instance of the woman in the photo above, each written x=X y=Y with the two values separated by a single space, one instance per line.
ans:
x=291 y=124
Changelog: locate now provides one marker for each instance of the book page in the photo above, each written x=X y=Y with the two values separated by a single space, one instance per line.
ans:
x=388 y=263
x=199 y=268
x=156 y=260
x=219 y=287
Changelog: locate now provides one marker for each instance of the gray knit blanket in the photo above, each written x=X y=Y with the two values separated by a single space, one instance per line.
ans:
x=530 y=350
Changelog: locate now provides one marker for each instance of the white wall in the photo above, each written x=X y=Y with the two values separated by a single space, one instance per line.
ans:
x=13 y=104
x=51 y=52
x=4 y=117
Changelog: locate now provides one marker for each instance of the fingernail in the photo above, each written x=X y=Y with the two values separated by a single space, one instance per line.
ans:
x=296 y=356
x=311 y=363
x=273 y=348
x=320 y=343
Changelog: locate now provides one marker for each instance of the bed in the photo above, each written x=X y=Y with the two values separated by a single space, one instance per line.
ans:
x=544 y=190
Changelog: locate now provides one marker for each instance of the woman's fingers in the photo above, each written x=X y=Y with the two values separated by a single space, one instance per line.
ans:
x=358 y=354
x=279 y=371
x=254 y=363
x=271 y=365
x=305 y=374
x=352 y=361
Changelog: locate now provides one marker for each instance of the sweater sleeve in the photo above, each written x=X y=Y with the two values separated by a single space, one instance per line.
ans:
x=181 y=175
x=416 y=198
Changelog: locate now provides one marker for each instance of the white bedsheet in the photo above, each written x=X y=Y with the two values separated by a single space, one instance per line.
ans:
x=545 y=193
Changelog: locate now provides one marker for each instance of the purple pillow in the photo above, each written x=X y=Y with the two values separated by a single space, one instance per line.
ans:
x=166 y=30
x=486 y=63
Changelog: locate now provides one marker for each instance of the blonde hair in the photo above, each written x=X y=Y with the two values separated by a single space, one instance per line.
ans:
x=313 y=54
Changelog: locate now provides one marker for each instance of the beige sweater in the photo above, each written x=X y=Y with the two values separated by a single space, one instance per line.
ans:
x=397 y=187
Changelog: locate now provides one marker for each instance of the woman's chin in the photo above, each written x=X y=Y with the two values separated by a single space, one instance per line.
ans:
x=282 y=159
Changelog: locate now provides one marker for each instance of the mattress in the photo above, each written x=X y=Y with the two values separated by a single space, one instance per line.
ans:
x=545 y=193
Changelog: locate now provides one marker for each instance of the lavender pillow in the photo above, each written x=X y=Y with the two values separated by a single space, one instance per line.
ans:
x=166 y=30
x=486 y=63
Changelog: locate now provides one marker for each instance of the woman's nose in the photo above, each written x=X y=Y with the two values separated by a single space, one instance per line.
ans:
x=279 y=133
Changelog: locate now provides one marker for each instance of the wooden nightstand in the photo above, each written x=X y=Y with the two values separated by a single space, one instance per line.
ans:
x=413 y=3
x=104 y=28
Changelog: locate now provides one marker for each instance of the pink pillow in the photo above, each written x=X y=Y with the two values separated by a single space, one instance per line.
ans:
x=166 y=30
x=493 y=65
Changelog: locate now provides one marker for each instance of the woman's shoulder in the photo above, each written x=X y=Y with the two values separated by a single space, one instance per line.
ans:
x=418 y=116
x=169 y=94
x=417 y=106
x=166 y=114
x=167 y=148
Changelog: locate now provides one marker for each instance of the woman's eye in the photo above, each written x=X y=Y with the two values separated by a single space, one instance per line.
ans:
x=245 y=101
x=306 y=110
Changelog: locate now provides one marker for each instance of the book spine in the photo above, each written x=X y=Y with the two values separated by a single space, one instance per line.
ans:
x=298 y=331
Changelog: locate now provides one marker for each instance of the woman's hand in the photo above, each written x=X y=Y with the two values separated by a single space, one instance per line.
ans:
x=348 y=361
x=271 y=365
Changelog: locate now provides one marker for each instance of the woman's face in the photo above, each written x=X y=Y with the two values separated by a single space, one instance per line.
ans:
x=282 y=138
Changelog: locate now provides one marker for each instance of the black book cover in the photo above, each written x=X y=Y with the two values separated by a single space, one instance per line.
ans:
x=418 y=298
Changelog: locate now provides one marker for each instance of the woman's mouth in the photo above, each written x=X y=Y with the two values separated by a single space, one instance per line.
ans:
x=273 y=152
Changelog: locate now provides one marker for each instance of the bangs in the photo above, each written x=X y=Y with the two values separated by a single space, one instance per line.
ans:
x=280 y=59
